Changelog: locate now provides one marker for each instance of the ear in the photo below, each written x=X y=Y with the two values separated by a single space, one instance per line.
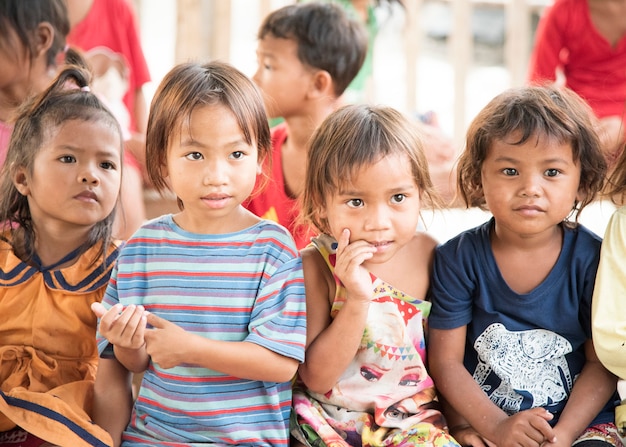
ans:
x=321 y=85
x=20 y=180
x=44 y=35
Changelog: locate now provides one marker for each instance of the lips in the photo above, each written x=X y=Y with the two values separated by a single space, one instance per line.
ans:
x=529 y=210
x=87 y=196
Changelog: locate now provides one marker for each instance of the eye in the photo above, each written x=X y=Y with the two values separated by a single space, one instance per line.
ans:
x=194 y=156
x=355 y=203
x=509 y=171
x=409 y=380
x=67 y=159
x=108 y=165
x=552 y=172
x=395 y=413
x=369 y=374
x=398 y=198
x=237 y=155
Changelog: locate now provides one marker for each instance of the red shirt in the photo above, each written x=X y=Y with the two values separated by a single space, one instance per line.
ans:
x=273 y=202
x=566 y=38
x=112 y=24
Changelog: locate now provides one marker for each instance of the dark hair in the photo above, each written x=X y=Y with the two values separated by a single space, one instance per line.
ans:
x=531 y=112
x=24 y=16
x=191 y=85
x=350 y=138
x=616 y=183
x=38 y=118
x=327 y=37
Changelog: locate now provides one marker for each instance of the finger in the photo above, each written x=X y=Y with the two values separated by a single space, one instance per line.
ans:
x=156 y=321
x=344 y=240
x=98 y=309
x=110 y=315
x=543 y=427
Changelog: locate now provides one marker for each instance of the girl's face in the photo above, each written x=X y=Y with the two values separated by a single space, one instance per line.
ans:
x=380 y=206
x=532 y=187
x=76 y=175
x=212 y=170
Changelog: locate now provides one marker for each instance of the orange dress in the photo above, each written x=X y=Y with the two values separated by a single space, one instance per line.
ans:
x=48 y=353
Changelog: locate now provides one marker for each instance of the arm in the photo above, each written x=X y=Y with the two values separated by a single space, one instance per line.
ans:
x=592 y=390
x=333 y=343
x=446 y=350
x=545 y=58
x=170 y=345
x=112 y=402
x=269 y=349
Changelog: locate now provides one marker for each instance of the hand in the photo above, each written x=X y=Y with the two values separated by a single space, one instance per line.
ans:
x=468 y=437
x=528 y=428
x=122 y=327
x=349 y=267
x=165 y=342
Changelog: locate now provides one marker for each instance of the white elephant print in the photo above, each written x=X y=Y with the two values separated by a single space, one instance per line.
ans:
x=532 y=361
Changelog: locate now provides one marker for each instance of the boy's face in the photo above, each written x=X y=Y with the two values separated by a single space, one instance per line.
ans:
x=530 y=187
x=283 y=79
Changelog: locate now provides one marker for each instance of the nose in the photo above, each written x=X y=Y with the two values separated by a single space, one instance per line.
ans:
x=257 y=75
x=377 y=218
x=531 y=185
x=89 y=176
x=216 y=173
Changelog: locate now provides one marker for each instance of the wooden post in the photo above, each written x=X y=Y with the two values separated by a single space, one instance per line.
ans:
x=462 y=48
x=412 y=38
x=517 y=44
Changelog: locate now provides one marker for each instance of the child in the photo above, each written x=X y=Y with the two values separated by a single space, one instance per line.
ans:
x=607 y=310
x=582 y=43
x=32 y=46
x=510 y=330
x=31 y=42
x=60 y=185
x=223 y=288
x=364 y=380
x=308 y=53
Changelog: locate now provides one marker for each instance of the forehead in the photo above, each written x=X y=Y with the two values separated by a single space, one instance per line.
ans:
x=278 y=47
x=536 y=147
x=394 y=171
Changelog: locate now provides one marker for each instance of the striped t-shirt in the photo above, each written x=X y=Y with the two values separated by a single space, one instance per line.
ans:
x=238 y=286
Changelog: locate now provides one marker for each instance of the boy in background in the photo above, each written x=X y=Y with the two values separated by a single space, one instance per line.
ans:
x=308 y=53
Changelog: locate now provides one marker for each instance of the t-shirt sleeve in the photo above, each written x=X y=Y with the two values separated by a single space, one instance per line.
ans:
x=451 y=288
x=278 y=320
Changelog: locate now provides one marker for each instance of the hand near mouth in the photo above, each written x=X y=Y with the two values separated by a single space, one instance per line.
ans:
x=349 y=266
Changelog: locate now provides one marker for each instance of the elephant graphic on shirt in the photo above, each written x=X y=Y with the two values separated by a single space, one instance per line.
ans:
x=531 y=362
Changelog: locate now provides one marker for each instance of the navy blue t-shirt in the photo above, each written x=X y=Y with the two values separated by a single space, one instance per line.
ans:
x=524 y=350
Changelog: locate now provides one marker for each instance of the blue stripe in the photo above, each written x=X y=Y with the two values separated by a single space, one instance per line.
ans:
x=54 y=416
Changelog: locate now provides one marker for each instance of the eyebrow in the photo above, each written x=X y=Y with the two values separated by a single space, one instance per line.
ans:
x=516 y=160
x=396 y=190
x=66 y=147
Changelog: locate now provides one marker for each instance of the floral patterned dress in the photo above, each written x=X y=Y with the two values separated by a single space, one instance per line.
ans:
x=385 y=397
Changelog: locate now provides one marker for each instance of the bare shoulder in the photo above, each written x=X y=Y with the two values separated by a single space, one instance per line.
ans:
x=423 y=243
x=318 y=279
